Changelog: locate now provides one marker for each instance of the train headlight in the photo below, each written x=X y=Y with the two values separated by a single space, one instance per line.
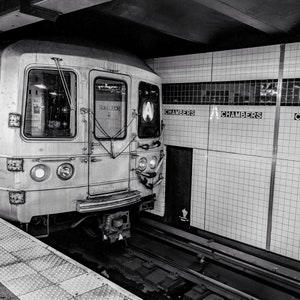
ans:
x=142 y=164
x=153 y=162
x=65 y=171
x=39 y=173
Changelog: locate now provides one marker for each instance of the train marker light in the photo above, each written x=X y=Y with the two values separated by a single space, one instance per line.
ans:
x=142 y=164
x=16 y=197
x=148 y=111
x=15 y=164
x=65 y=171
x=153 y=162
x=39 y=173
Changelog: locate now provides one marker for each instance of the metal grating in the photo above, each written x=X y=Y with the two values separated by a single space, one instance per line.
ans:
x=62 y=272
x=81 y=284
x=48 y=293
x=6 y=231
x=26 y=284
x=42 y=273
x=46 y=262
x=13 y=271
x=105 y=292
x=6 y=258
x=31 y=253
x=11 y=243
x=6 y=294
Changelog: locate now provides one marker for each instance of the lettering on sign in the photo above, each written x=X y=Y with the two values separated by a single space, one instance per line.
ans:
x=242 y=114
x=297 y=116
x=110 y=107
x=148 y=111
x=180 y=112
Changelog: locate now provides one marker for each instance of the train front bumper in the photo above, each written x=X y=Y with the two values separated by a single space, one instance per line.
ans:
x=108 y=202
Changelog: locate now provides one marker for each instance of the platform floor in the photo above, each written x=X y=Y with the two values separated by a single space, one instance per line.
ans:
x=31 y=270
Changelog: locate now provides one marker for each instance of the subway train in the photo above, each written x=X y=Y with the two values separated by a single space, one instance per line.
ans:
x=81 y=138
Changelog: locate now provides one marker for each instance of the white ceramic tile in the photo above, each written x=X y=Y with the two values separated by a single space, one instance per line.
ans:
x=198 y=195
x=186 y=130
x=289 y=132
x=246 y=64
x=241 y=135
x=286 y=209
x=183 y=68
x=237 y=197
x=292 y=61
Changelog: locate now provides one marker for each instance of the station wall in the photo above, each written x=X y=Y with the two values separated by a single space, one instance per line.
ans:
x=239 y=110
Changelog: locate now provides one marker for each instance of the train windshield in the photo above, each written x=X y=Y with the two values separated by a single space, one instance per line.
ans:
x=149 y=118
x=48 y=113
x=110 y=108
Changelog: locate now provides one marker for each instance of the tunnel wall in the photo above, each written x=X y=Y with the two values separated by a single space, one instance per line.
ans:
x=239 y=111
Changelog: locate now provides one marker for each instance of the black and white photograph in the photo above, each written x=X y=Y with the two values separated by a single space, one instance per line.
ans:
x=150 y=149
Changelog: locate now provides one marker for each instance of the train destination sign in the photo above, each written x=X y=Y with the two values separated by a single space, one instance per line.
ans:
x=242 y=114
x=180 y=112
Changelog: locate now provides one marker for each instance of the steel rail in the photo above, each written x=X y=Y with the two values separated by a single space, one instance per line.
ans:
x=278 y=279
x=191 y=275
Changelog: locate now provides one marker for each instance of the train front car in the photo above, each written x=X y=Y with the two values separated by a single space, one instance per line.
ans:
x=81 y=136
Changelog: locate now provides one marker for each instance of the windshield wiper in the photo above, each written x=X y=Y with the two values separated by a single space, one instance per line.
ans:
x=63 y=81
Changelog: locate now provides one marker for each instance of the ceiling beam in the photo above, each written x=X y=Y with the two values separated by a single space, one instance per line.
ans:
x=18 y=13
x=26 y=7
x=226 y=9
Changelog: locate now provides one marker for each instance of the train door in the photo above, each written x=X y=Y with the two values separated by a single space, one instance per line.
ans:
x=108 y=134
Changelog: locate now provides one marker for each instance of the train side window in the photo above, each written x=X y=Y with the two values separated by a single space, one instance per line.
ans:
x=149 y=116
x=48 y=113
x=110 y=100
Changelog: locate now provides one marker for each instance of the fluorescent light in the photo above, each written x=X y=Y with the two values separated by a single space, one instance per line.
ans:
x=41 y=86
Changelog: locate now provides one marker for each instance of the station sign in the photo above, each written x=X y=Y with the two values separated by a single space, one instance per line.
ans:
x=297 y=117
x=242 y=114
x=180 y=112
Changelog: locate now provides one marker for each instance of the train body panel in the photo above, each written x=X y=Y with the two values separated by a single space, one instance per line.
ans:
x=70 y=129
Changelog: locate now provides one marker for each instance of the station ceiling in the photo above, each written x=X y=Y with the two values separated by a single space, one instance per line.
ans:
x=152 y=28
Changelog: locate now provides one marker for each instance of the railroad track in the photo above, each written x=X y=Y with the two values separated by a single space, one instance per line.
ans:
x=256 y=279
x=156 y=264
x=204 y=286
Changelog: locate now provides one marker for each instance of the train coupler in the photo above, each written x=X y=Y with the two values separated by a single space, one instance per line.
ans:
x=116 y=226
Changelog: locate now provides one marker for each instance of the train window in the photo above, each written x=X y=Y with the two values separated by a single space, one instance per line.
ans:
x=149 y=117
x=110 y=108
x=50 y=111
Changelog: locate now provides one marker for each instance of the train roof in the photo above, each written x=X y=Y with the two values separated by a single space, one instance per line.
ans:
x=104 y=52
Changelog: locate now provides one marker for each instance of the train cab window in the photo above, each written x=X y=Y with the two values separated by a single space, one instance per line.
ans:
x=149 y=117
x=50 y=105
x=110 y=97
